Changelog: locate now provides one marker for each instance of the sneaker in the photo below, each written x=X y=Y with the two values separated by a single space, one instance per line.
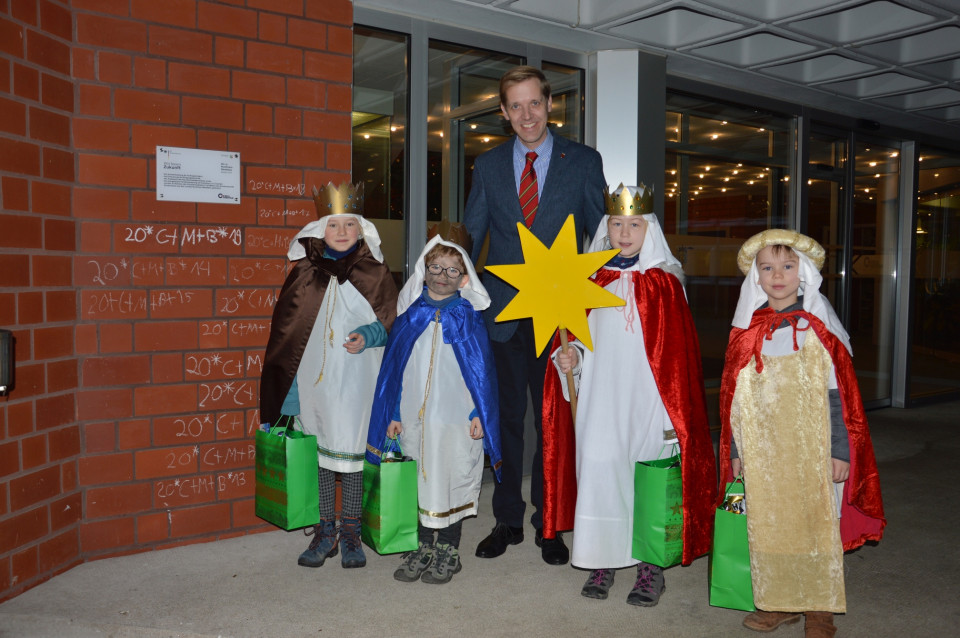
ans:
x=445 y=565
x=353 y=555
x=322 y=546
x=649 y=586
x=598 y=585
x=414 y=563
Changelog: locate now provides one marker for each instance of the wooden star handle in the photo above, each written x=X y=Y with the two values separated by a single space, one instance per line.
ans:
x=571 y=387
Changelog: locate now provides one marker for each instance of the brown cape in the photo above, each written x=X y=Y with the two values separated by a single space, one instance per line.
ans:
x=298 y=305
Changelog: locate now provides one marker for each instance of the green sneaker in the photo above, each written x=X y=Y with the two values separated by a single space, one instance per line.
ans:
x=445 y=565
x=414 y=563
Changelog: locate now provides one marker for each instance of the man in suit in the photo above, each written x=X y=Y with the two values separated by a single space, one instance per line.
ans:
x=539 y=179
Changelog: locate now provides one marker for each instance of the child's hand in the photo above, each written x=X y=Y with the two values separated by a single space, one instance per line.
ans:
x=841 y=470
x=476 y=430
x=355 y=343
x=394 y=429
x=737 y=466
x=568 y=360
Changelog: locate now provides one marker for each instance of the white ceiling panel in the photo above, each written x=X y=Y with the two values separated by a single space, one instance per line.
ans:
x=948 y=70
x=922 y=99
x=771 y=10
x=876 y=85
x=864 y=22
x=755 y=49
x=565 y=11
x=822 y=68
x=949 y=114
x=676 y=28
x=896 y=62
x=938 y=43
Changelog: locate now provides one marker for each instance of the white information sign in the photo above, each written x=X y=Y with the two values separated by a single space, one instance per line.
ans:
x=195 y=175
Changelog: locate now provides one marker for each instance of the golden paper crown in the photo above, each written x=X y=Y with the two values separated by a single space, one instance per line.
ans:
x=623 y=203
x=346 y=199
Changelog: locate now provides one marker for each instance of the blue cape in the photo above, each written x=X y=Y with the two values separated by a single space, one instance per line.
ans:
x=462 y=328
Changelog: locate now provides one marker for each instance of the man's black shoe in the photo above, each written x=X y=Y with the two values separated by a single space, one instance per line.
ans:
x=553 y=550
x=496 y=543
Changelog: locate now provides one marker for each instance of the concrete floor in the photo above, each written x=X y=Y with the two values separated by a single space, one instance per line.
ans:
x=908 y=585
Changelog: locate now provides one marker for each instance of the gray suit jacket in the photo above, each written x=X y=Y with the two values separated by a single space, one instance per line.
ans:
x=574 y=184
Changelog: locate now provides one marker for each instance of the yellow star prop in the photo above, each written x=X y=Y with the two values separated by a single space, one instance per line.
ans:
x=554 y=285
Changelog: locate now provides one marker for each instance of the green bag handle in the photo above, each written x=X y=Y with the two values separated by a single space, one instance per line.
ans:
x=290 y=425
x=389 y=445
x=736 y=479
x=674 y=452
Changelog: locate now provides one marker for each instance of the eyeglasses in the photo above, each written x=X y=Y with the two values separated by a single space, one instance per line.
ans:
x=436 y=269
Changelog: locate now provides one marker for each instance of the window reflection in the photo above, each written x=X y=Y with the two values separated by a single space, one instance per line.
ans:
x=379 y=124
x=935 y=351
x=728 y=172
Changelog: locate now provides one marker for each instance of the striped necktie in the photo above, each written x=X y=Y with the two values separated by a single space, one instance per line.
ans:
x=528 y=190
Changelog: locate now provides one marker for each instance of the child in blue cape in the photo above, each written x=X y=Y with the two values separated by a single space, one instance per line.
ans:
x=437 y=390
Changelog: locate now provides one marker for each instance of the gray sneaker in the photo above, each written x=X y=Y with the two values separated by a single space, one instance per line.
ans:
x=598 y=585
x=414 y=563
x=649 y=586
x=445 y=565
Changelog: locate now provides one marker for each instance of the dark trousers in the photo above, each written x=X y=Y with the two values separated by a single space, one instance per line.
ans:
x=519 y=368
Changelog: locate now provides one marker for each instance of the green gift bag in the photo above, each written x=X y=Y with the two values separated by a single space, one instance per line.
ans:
x=287 y=493
x=390 y=513
x=658 y=511
x=729 y=572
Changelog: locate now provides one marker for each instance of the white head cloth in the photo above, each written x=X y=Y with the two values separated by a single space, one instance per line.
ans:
x=316 y=229
x=474 y=292
x=654 y=249
x=752 y=297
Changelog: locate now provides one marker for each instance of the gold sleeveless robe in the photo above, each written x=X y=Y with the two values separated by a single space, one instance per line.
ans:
x=780 y=420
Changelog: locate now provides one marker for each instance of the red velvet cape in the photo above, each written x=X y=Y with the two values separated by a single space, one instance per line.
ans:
x=673 y=350
x=861 y=513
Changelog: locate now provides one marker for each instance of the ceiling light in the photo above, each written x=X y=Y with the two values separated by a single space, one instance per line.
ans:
x=735 y=171
x=723 y=190
x=761 y=130
x=723 y=122
x=786 y=178
x=673 y=172
x=893 y=154
x=714 y=136
x=393 y=129
x=706 y=168
x=726 y=179
x=473 y=126
x=877 y=175
x=750 y=182
x=486 y=140
x=366 y=136
x=872 y=164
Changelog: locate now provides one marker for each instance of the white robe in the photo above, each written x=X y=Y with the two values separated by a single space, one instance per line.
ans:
x=620 y=420
x=337 y=408
x=449 y=462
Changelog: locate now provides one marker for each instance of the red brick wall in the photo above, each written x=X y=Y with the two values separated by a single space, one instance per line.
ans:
x=140 y=325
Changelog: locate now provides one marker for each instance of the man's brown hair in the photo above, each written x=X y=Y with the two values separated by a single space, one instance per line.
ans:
x=519 y=74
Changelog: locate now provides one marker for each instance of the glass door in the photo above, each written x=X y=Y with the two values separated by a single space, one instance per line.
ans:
x=852 y=211
x=935 y=289
x=871 y=317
